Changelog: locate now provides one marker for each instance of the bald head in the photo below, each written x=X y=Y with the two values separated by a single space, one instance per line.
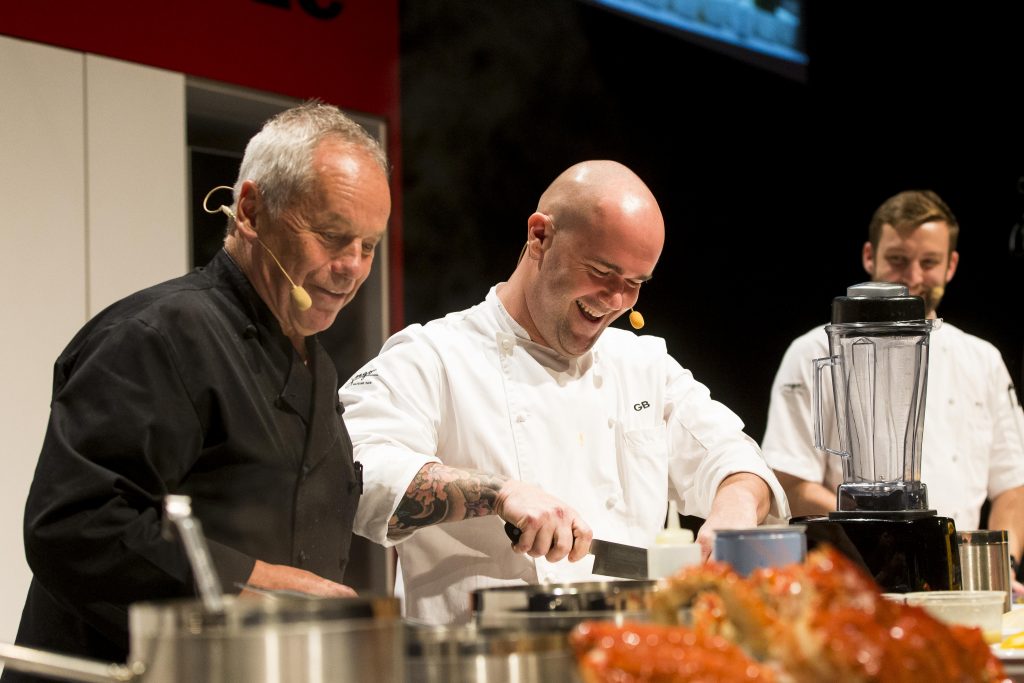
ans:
x=594 y=239
x=591 y=193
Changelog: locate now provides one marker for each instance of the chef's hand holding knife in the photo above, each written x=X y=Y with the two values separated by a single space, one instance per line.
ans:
x=440 y=493
x=548 y=527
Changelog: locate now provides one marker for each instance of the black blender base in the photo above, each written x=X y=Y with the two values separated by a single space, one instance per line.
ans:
x=903 y=552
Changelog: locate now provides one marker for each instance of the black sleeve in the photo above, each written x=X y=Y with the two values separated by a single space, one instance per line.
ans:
x=122 y=432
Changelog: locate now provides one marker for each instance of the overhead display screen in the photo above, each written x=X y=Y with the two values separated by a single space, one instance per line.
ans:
x=767 y=33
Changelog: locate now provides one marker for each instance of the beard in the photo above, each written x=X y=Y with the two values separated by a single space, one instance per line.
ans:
x=932 y=296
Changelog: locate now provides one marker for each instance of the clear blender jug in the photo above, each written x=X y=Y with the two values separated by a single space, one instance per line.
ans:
x=878 y=342
x=878 y=345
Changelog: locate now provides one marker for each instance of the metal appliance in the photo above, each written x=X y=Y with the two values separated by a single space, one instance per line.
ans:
x=472 y=654
x=282 y=638
x=561 y=606
x=878 y=341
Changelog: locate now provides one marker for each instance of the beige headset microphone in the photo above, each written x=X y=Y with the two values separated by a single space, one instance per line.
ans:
x=300 y=297
x=635 y=319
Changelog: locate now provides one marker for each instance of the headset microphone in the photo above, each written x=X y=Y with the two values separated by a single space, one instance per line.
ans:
x=933 y=295
x=635 y=319
x=300 y=297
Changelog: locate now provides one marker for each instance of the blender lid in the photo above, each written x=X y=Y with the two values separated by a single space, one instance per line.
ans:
x=877 y=302
x=877 y=289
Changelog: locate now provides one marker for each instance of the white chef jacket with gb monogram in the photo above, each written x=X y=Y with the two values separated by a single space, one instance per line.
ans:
x=613 y=433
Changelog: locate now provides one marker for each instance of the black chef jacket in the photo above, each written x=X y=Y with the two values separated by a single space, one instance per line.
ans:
x=189 y=387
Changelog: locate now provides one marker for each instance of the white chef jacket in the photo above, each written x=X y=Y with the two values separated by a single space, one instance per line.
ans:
x=613 y=433
x=973 y=426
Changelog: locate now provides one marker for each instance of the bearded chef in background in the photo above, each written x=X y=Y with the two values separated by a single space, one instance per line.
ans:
x=974 y=428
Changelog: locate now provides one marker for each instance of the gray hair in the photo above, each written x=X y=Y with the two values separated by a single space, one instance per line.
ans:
x=279 y=159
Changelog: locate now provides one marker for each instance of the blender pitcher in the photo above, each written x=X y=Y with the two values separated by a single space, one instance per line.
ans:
x=878 y=342
x=878 y=345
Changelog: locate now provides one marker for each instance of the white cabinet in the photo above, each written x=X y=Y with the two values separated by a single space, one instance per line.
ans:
x=136 y=174
x=92 y=207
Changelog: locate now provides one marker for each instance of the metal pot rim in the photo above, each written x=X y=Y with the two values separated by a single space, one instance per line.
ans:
x=190 y=614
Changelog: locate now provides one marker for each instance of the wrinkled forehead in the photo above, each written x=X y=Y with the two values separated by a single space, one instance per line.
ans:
x=348 y=174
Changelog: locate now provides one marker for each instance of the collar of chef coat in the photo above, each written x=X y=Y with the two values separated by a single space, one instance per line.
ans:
x=544 y=355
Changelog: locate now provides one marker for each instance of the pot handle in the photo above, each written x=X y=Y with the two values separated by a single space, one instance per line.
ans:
x=32 y=661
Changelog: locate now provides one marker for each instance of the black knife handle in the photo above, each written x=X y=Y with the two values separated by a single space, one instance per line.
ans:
x=514 y=532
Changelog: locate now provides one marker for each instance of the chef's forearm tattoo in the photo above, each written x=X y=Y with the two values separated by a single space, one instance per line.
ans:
x=445 y=494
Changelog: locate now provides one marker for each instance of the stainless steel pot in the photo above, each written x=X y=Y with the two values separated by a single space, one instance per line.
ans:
x=470 y=654
x=285 y=638
x=520 y=633
x=560 y=606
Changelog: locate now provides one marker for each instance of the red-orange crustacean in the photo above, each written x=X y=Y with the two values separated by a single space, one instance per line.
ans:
x=823 y=620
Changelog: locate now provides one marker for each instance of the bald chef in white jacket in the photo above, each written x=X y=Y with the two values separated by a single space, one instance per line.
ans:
x=527 y=408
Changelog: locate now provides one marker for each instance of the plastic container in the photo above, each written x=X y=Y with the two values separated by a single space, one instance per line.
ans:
x=980 y=609
x=673 y=548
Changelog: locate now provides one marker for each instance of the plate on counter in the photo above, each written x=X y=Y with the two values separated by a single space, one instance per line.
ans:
x=1012 y=658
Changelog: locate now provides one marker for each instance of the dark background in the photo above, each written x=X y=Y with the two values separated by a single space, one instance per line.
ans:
x=767 y=183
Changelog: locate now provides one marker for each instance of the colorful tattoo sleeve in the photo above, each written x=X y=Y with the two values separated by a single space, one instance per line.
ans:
x=444 y=494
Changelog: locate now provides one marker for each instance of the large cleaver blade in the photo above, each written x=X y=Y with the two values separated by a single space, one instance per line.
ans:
x=610 y=559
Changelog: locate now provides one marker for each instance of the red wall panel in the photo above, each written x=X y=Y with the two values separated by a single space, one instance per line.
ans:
x=342 y=51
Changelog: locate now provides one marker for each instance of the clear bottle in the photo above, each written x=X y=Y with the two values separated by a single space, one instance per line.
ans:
x=673 y=548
